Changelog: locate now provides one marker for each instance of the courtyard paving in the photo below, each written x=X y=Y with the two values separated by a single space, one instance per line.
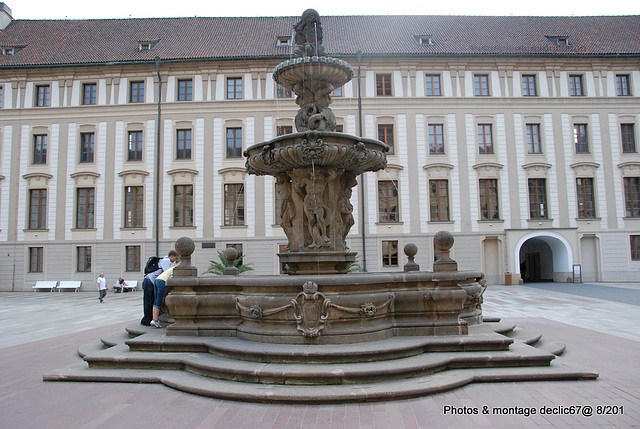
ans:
x=40 y=332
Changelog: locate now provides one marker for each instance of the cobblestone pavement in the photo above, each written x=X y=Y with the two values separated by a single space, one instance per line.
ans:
x=40 y=332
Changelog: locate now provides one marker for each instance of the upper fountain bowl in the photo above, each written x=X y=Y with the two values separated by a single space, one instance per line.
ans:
x=297 y=71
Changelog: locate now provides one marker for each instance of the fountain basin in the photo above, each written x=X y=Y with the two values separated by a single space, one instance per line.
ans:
x=325 y=309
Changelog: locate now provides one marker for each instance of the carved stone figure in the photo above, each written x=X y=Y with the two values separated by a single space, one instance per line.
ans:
x=308 y=35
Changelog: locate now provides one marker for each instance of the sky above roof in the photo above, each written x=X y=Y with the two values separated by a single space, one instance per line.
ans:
x=81 y=9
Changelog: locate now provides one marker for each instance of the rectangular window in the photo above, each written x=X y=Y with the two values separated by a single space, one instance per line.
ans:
x=529 y=85
x=83 y=259
x=135 y=146
x=432 y=84
x=282 y=92
x=234 y=204
x=38 y=209
x=89 y=93
x=183 y=144
x=339 y=128
x=635 y=247
x=485 y=138
x=1 y=96
x=632 y=196
x=580 y=138
x=234 y=88
x=133 y=206
x=436 y=139
x=183 y=205
x=390 y=253
x=586 y=198
x=534 y=143
x=36 y=259
x=622 y=84
x=136 y=92
x=43 y=95
x=87 y=146
x=234 y=142
x=481 y=84
x=133 y=258
x=185 y=89
x=336 y=92
x=282 y=130
x=85 y=206
x=439 y=200
x=489 y=199
x=385 y=135
x=40 y=148
x=388 y=201
x=575 y=85
x=628 y=137
x=538 y=199
x=383 y=84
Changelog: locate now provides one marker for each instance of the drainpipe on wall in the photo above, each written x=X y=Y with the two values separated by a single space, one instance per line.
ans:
x=362 y=200
x=157 y=175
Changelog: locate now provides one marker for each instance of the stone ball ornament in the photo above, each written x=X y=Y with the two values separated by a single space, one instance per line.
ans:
x=443 y=240
x=185 y=246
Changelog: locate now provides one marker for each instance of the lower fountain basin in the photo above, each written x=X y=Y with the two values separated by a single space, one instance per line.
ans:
x=326 y=309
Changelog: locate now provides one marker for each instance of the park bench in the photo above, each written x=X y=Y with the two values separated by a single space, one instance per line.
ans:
x=45 y=284
x=75 y=285
x=131 y=286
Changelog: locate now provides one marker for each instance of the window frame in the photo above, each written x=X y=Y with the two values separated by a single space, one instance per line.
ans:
x=133 y=206
x=133 y=258
x=384 y=86
x=439 y=204
x=40 y=146
x=576 y=85
x=388 y=201
x=184 y=90
x=533 y=135
x=581 y=138
x=234 y=204
x=538 y=201
x=385 y=135
x=36 y=259
x=489 y=199
x=184 y=139
x=234 y=88
x=87 y=147
x=623 y=85
x=628 y=138
x=529 y=85
x=481 y=85
x=634 y=242
x=89 y=94
x=136 y=91
x=183 y=211
x=43 y=95
x=83 y=259
x=282 y=92
x=585 y=197
x=37 y=219
x=631 y=196
x=234 y=142
x=389 y=257
x=85 y=219
x=135 y=146
x=436 y=139
x=433 y=85
x=485 y=139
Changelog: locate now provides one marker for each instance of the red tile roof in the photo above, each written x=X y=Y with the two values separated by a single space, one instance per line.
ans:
x=63 y=42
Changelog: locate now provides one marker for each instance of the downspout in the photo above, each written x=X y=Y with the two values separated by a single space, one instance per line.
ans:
x=157 y=173
x=362 y=200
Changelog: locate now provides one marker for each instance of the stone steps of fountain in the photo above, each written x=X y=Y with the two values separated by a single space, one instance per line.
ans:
x=231 y=376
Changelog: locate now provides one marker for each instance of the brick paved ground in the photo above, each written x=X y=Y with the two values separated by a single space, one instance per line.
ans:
x=40 y=332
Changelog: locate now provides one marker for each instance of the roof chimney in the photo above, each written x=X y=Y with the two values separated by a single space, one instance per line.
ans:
x=5 y=15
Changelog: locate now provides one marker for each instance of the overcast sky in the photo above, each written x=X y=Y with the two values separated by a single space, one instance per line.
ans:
x=83 y=9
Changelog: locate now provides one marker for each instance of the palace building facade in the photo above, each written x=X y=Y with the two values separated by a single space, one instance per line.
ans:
x=516 y=134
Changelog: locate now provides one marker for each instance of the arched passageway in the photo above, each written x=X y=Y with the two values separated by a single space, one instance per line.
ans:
x=543 y=256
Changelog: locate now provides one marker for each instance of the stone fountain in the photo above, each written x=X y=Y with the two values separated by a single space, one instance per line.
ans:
x=320 y=334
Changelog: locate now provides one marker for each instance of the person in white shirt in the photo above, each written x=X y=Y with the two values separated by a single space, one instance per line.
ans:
x=102 y=287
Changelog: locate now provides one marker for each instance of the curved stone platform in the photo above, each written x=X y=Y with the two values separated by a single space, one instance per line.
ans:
x=399 y=367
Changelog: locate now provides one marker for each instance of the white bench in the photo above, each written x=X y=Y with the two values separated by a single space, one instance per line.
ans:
x=45 y=284
x=132 y=285
x=75 y=285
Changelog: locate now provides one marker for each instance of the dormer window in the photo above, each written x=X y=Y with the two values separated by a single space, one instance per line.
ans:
x=559 y=40
x=425 y=40
x=11 y=50
x=284 y=41
x=147 y=45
